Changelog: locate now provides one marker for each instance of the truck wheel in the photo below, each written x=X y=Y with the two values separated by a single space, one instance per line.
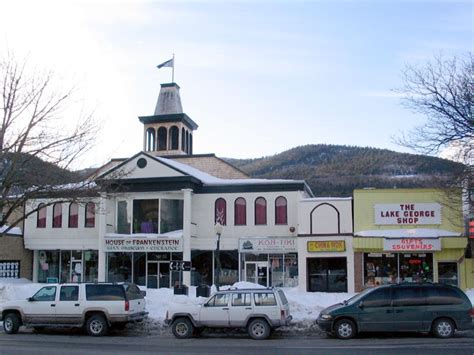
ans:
x=345 y=329
x=443 y=328
x=97 y=325
x=11 y=323
x=258 y=329
x=182 y=328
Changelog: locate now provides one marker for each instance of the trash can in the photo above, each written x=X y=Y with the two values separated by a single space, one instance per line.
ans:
x=203 y=291
x=181 y=290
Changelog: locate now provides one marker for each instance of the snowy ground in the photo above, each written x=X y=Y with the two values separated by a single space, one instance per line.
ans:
x=304 y=306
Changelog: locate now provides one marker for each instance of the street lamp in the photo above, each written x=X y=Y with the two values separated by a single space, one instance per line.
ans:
x=218 y=229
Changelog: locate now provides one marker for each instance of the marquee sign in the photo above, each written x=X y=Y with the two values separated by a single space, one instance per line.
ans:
x=145 y=244
x=411 y=244
x=407 y=213
x=268 y=245
x=329 y=245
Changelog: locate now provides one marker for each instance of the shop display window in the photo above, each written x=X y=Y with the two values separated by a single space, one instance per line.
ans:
x=171 y=215
x=119 y=267
x=201 y=260
x=448 y=273
x=48 y=266
x=139 y=268
x=91 y=265
x=387 y=268
x=229 y=267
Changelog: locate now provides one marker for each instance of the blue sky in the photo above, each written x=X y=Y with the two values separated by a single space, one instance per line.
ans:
x=258 y=77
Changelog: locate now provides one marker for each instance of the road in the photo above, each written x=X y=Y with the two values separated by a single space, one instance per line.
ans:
x=235 y=342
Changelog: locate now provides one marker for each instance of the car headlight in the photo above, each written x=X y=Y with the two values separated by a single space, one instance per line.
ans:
x=326 y=316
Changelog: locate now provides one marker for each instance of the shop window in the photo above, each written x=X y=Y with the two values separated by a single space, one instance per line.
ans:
x=123 y=225
x=448 y=273
x=90 y=215
x=202 y=265
x=65 y=266
x=150 y=139
x=119 y=267
x=260 y=211
x=48 y=266
x=57 y=215
x=171 y=215
x=240 y=212
x=281 y=213
x=327 y=274
x=174 y=138
x=139 y=268
x=229 y=267
x=73 y=215
x=91 y=266
x=162 y=135
x=41 y=216
x=145 y=216
x=220 y=212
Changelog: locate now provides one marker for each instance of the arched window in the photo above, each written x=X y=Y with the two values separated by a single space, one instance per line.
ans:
x=57 y=215
x=150 y=139
x=220 y=212
x=281 y=210
x=187 y=142
x=240 y=212
x=41 y=216
x=174 y=138
x=73 y=215
x=190 y=143
x=162 y=134
x=90 y=215
x=183 y=139
x=260 y=211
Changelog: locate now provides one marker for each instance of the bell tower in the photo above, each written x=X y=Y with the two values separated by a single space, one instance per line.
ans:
x=169 y=131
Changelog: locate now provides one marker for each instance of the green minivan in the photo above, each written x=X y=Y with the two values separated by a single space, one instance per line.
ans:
x=440 y=309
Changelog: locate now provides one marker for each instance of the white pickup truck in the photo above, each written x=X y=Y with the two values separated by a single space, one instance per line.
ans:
x=95 y=306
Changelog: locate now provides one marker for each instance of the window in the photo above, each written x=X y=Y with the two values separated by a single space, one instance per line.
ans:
x=265 y=299
x=448 y=273
x=220 y=212
x=183 y=140
x=174 y=136
x=378 y=298
x=145 y=216
x=41 y=216
x=69 y=293
x=219 y=300
x=73 y=215
x=47 y=293
x=171 y=215
x=407 y=296
x=442 y=296
x=150 y=139
x=105 y=293
x=57 y=215
x=260 y=211
x=241 y=299
x=119 y=266
x=123 y=226
x=162 y=134
x=240 y=212
x=281 y=215
x=90 y=215
x=48 y=266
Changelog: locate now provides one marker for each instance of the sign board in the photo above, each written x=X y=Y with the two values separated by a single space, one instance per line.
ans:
x=407 y=214
x=268 y=245
x=180 y=265
x=145 y=244
x=328 y=245
x=411 y=244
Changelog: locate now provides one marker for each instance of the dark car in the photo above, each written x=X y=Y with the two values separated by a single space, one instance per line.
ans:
x=436 y=308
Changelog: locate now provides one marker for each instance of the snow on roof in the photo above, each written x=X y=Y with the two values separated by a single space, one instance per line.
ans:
x=210 y=180
x=13 y=231
x=316 y=199
x=173 y=234
x=407 y=233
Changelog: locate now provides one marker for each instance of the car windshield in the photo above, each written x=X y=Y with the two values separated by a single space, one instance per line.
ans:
x=357 y=297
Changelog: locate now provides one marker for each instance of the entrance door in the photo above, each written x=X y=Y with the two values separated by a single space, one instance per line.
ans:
x=257 y=272
x=327 y=274
x=164 y=273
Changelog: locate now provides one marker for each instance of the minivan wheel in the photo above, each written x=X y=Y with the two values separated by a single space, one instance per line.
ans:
x=182 y=328
x=345 y=329
x=11 y=323
x=97 y=326
x=443 y=328
x=258 y=329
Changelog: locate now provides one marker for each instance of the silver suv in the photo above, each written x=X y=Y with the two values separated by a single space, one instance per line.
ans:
x=257 y=310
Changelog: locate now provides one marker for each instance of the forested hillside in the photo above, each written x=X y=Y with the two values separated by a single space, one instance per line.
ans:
x=336 y=170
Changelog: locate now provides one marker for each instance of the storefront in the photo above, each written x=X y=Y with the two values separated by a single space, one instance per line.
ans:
x=269 y=261
x=411 y=235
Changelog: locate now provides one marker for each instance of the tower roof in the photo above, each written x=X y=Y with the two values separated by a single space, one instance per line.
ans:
x=169 y=101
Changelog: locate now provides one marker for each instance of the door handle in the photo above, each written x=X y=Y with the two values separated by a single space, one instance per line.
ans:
x=225 y=308
x=389 y=311
x=53 y=305
x=248 y=307
x=399 y=311
x=77 y=305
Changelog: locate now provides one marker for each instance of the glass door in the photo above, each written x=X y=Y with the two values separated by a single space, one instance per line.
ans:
x=152 y=274
x=257 y=272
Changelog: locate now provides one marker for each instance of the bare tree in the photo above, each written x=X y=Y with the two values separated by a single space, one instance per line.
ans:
x=38 y=124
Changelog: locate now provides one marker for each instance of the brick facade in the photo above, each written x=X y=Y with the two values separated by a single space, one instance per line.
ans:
x=358 y=271
x=12 y=248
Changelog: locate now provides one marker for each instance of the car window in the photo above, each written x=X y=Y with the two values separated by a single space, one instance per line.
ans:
x=219 y=300
x=47 y=293
x=378 y=298
x=264 y=299
x=282 y=297
x=69 y=293
x=105 y=293
x=442 y=296
x=407 y=296
x=132 y=291
x=241 y=299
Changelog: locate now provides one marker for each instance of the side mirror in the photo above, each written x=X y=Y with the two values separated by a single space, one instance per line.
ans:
x=30 y=299
x=143 y=293
x=205 y=305
x=361 y=304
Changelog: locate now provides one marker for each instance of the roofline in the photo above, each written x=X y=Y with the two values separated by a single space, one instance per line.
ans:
x=171 y=117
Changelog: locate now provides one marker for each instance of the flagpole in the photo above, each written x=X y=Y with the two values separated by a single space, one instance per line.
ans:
x=172 y=75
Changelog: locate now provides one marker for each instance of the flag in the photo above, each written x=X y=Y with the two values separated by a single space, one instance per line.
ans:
x=168 y=63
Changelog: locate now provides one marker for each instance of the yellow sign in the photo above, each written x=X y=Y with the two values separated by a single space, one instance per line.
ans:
x=329 y=245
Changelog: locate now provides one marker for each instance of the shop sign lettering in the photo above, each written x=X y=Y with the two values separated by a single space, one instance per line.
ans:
x=252 y=245
x=411 y=244
x=124 y=244
x=407 y=213
x=329 y=245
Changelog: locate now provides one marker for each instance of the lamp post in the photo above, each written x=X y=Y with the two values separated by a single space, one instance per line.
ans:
x=218 y=229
